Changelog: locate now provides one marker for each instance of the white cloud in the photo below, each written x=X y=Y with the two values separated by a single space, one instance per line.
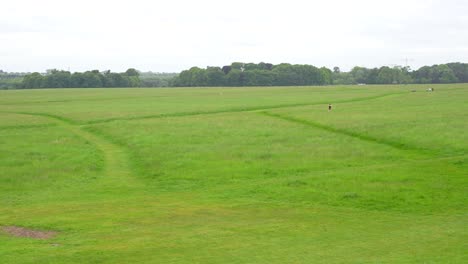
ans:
x=174 y=35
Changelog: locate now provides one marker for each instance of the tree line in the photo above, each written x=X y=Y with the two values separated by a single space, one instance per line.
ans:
x=89 y=79
x=251 y=74
x=444 y=73
x=266 y=74
x=240 y=74
x=156 y=79
x=11 y=79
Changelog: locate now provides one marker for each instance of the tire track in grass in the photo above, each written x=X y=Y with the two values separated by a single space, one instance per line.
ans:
x=81 y=100
x=388 y=165
x=236 y=110
x=339 y=131
x=26 y=126
x=116 y=167
x=50 y=116
x=209 y=112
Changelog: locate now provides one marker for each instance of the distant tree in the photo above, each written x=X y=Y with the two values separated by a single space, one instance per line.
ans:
x=198 y=77
x=134 y=81
x=226 y=69
x=76 y=80
x=56 y=79
x=91 y=80
x=460 y=70
x=116 y=80
x=237 y=65
x=360 y=74
x=252 y=67
x=184 y=79
x=132 y=72
x=33 y=80
x=437 y=74
x=445 y=74
x=265 y=66
x=327 y=76
x=404 y=75
x=372 y=75
x=259 y=78
x=343 y=78
x=234 y=78
x=385 y=75
x=423 y=75
x=215 y=77
x=152 y=79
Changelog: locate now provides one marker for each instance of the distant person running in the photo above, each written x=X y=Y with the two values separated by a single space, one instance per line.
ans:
x=329 y=107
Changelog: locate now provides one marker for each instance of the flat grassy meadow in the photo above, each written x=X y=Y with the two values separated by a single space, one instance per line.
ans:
x=235 y=175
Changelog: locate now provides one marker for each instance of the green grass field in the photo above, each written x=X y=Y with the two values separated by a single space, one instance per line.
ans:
x=236 y=175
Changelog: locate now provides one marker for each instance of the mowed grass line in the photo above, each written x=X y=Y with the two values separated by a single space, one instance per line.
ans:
x=116 y=167
x=394 y=144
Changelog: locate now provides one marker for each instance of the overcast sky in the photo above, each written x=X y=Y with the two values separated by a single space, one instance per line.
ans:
x=170 y=36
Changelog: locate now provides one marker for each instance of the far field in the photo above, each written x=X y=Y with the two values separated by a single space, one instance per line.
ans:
x=235 y=175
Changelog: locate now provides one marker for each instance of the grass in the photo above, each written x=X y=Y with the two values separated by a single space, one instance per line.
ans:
x=236 y=175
